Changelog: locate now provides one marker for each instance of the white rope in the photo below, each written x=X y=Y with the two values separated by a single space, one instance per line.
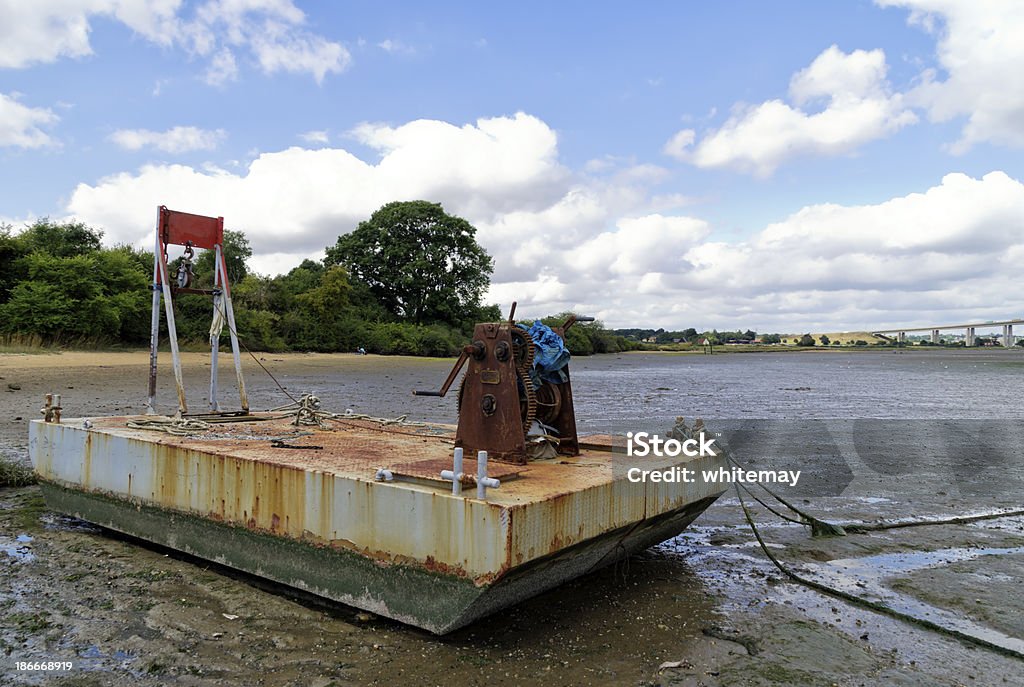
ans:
x=177 y=426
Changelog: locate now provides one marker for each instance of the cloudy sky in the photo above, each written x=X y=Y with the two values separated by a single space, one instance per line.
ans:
x=781 y=166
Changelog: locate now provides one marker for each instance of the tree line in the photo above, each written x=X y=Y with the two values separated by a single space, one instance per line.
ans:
x=409 y=280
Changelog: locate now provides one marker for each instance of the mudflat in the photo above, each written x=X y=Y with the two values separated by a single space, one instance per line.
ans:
x=706 y=608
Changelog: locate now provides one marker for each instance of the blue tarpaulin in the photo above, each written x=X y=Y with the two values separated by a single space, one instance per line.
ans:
x=550 y=356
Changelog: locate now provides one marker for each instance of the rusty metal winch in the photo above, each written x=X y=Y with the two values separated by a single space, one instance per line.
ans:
x=503 y=409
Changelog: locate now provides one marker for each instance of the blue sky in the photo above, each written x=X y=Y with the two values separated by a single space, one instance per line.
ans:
x=780 y=166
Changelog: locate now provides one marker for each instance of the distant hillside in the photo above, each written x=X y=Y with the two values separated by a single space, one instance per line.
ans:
x=844 y=338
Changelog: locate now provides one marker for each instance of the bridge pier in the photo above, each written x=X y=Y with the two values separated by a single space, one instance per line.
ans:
x=898 y=337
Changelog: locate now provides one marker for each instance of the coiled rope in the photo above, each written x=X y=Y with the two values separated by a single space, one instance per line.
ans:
x=177 y=426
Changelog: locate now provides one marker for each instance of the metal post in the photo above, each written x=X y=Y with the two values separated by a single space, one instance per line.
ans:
x=481 y=475
x=214 y=338
x=172 y=333
x=154 y=333
x=457 y=473
x=226 y=295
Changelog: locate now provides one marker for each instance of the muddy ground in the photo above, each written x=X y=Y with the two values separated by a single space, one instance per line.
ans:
x=704 y=609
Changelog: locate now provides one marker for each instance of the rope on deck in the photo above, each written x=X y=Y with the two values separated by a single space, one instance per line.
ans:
x=177 y=426
x=307 y=411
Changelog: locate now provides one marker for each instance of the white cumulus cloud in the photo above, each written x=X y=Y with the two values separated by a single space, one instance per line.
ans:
x=980 y=48
x=315 y=137
x=179 y=139
x=857 y=106
x=22 y=126
x=594 y=241
x=272 y=31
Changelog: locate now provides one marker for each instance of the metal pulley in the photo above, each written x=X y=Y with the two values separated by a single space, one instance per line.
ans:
x=185 y=274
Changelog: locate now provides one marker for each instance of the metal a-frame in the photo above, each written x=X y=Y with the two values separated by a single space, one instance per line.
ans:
x=175 y=228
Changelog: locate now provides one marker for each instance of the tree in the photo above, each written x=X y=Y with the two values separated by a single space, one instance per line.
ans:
x=236 y=251
x=824 y=340
x=771 y=339
x=100 y=296
x=421 y=263
x=63 y=240
x=805 y=340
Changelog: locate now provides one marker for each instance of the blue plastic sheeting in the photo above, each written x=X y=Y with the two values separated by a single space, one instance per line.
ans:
x=550 y=356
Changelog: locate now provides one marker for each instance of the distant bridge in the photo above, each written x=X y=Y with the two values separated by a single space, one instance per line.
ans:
x=1007 y=338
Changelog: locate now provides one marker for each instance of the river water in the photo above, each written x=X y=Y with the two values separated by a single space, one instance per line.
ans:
x=612 y=392
x=878 y=435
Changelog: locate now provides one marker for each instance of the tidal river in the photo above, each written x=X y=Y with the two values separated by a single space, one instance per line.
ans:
x=878 y=435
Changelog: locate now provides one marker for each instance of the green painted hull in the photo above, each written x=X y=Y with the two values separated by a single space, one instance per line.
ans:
x=432 y=600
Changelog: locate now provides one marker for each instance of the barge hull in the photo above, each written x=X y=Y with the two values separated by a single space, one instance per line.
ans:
x=435 y=602
x=318 y=520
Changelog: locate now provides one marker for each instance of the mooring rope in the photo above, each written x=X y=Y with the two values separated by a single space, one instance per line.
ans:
x=177 y=426
x=867 y=603
x=820 y=527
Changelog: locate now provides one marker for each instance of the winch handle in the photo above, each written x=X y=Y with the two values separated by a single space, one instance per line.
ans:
x=463 y=357
x=573 y=319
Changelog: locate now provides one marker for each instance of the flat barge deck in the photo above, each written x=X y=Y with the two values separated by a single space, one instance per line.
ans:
x=306 y=506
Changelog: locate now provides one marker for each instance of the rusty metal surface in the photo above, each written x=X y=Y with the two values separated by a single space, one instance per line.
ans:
x=329 y=497
x=491 y=415
x=431 y=470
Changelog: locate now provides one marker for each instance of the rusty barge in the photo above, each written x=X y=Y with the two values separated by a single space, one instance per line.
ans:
x=432 y=525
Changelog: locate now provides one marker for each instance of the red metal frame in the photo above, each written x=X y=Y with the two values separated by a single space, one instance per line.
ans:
x=182 y=228
x=194 y=231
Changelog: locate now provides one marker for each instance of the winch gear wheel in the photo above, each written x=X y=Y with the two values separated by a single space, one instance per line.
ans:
x=522 y=348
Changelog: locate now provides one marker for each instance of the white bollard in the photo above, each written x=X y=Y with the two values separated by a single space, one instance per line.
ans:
x=483 y=482
x=457 y=470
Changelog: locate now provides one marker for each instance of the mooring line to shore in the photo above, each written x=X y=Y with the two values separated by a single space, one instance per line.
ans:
x=958 y=520
x=253 y=356
x=867 y=603
x=821 y=527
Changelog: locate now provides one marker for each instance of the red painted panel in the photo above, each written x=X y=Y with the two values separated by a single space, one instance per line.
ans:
x=180 y=228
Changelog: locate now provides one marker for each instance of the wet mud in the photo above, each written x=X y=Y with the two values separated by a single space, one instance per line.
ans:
x=706 y=608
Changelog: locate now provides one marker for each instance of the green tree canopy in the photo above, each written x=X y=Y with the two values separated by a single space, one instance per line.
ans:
x=236 y=251
x=63 y=240
x=421 y=263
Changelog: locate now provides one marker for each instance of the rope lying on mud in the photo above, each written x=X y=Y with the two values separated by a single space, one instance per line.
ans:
x=820 y=528
x=867 y=603
x=959 y=520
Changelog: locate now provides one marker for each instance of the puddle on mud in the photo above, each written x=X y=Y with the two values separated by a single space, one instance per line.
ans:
x=866 y=576
x=727 y=559
x=66 y=523
x=885 y=565
x=18 y=548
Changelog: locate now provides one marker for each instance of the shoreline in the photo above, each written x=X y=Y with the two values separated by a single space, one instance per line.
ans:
x=704 y=607
x=78 y=358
